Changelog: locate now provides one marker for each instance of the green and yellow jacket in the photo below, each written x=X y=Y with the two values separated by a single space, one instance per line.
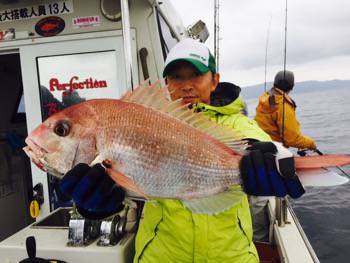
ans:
x=169 y=232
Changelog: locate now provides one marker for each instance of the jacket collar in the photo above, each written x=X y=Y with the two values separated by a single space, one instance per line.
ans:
x=277 y=91
x=237 y=106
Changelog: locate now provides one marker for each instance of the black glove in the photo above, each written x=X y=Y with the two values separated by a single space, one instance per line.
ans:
x=95 y=194
x=262 y=177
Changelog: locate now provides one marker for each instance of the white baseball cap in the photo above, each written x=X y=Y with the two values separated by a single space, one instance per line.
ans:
x=191 y=51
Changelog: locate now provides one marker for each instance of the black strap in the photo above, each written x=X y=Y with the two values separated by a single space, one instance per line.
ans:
x=272 y=100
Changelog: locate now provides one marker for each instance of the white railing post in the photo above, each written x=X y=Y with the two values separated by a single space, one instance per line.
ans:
x=127 y=42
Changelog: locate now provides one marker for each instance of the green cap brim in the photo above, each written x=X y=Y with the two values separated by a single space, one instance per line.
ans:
x=200 y=67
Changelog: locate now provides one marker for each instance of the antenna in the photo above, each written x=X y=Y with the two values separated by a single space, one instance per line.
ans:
x=216 y=33
x=266 y=49
x=284 y=68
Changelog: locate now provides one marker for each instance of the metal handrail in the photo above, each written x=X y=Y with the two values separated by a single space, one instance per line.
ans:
x=302 y=233
x=281 y=211
x=124 y=5
x=173 y=30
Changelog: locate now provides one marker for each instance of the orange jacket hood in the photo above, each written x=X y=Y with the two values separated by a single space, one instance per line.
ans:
x=280 y=121
x=270 y=104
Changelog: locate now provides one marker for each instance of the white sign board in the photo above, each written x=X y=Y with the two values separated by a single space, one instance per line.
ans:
x=34 y=11
x=69 y=79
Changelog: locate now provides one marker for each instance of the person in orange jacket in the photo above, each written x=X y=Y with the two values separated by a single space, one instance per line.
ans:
x=275 y=114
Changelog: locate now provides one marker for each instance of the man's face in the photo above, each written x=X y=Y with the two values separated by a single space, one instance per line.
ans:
x=185 y=82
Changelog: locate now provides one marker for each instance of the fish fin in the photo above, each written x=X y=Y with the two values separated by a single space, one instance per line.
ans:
x=153 y=96
x=98 y=159
x=214 y=204
x=130 y=197
x=130 y=93
x=125 y=182
x=118 y=177
x=156 y=97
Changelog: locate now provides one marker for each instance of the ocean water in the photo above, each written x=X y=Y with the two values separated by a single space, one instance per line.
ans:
x=324 y=213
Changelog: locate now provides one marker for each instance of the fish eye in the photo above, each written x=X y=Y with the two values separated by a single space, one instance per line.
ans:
x=62 y=128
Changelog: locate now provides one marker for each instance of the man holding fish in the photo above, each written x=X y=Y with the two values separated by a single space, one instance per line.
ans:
x=172 y=153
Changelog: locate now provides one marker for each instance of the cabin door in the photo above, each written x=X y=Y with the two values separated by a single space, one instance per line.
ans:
x=15 y=174
x=59 y=74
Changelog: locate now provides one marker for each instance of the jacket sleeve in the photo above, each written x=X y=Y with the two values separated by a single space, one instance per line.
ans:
x=292 y=134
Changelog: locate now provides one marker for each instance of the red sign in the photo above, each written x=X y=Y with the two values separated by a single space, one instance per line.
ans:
x=50 y=26
x=86 y=21
x=75 y=84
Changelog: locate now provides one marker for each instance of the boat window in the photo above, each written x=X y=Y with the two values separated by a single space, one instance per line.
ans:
x=65 y=80
x=19 y=113
x=21 y=107
x=15 y=172
x=167 y=37
x=75 y=78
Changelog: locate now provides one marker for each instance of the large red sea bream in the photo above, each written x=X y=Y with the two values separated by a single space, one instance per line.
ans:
x=157 y=148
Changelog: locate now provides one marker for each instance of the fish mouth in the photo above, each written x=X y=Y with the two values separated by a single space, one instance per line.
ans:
x=38 y=155
x=34 y=158
x=35 y=153
x=35 y=147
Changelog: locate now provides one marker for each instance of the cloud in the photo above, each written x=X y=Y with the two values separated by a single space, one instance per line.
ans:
x=318 y=33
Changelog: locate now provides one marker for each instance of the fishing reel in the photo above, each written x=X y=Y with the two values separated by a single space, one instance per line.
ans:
x=304 y=152
x=112 y=230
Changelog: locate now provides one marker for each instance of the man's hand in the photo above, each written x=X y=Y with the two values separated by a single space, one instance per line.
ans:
x=94 y=192
x=268 y=170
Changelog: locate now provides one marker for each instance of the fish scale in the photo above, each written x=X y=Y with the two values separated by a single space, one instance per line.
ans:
x=190 y=162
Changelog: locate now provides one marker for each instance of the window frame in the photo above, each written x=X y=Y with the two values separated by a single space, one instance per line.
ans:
x=164 y=45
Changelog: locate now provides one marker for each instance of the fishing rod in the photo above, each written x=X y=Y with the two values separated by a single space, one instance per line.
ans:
x=284 y=66
x=266 y=49
x=216 y=33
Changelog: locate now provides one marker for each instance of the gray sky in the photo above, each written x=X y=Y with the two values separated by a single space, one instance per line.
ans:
x=318 y=38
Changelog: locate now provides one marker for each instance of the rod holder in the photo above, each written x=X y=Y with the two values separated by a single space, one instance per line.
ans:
x=281 y=211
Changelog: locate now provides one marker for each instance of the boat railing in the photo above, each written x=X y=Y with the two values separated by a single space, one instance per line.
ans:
x=281 y=211
x=281 y=215
x=124 y=5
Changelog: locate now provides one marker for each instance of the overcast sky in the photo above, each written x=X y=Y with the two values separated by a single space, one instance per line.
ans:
x=318 y=37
